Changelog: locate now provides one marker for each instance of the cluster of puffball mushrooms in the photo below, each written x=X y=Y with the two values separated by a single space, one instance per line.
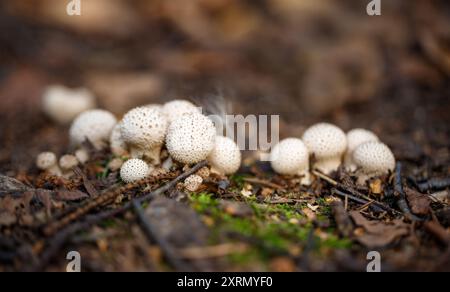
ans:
x=154 y=137
x=151 y=138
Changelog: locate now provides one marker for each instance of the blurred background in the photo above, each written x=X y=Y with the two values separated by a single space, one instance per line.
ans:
x=308 y=61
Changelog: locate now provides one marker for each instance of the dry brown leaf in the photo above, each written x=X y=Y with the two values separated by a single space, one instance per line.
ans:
x=419 y=203
x=378 y=234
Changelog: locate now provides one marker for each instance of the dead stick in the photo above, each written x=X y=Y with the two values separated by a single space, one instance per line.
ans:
x=356 y=199
x=263 y=183
x=352 y=191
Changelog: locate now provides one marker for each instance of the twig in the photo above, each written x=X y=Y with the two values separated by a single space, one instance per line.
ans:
x=357 y=200
x=262 y=182
x=86 y=182
x=60 y=238
x=433 y=184
x=398 y=188
x=352 y=191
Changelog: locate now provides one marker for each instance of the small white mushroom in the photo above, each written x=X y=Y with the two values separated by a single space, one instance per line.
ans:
x=82 y=155
x=48 y=161
x=177 y=108
x=117 y=143
x=134 y=170
x=191 y=138
x=67 y=163
x=144 y=130
x=63 y=104
x=193 y=183
x=290 y=157
x=225 y=158
x=94 y=125
x=328 y=143
x=355 y=138
x=373 y=159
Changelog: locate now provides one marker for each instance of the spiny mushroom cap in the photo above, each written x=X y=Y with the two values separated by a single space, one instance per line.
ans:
x=289 y=157
x=134 y=170
x=154 y=106
x=46 y=160
x=193 y=182
x=374 y=158
x=177 y=108
x=226 y=156
x=116 y=142
x=144 y=127
x=95 y=125
x=325 y=140
x=67 y=162
x=63 y=104
x=190 y=138
x=357 y=137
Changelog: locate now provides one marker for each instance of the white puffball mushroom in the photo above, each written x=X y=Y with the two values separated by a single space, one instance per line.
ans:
x=94 y=125
x=67 y=163
x=117 y=143
x=193 y=183
x=328 y=143
x=144 y=130
x=225 y=158
x=291 y=157
x=134 y=170
x=191 y=138
x=373 y=159
x=63 y=104
x=48 y=161
x=154 y=106
x=177 y=108
x=82 y=155
x=355 y=138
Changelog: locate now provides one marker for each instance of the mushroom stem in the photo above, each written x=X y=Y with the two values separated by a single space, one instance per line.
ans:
x=328 y=165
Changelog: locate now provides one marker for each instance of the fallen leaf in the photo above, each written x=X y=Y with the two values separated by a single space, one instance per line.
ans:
x=419 y=203
x=378 y=234
x=310 y=214
x=376 y=186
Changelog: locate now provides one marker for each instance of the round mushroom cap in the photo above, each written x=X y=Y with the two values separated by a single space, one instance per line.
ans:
x=289 y=157
x=144 y=127
x=46 y=160
x=325 y=140
x=193 y=182
x=134 y=170
x=374 y=158
x=226 y=156
x=95 y=125
x=357 y=137
x=116 y=142
x=63 y=104
x=177 y=108
x=67 y=162
x=191 y=138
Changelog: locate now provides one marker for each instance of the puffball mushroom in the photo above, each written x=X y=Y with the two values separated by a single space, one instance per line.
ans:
x=94 y=125
x=49 y=162
x=191 y=138
x=63 y=104
x=67 y=163
x=82 y=155
x=144 y=130
x=177 y=108
x=373 y=159
x=290 y=157
x=193 y=183
x=225 y=158
x=328 y=143
x=355 y=138
x=116 y=142
x=134 y=170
